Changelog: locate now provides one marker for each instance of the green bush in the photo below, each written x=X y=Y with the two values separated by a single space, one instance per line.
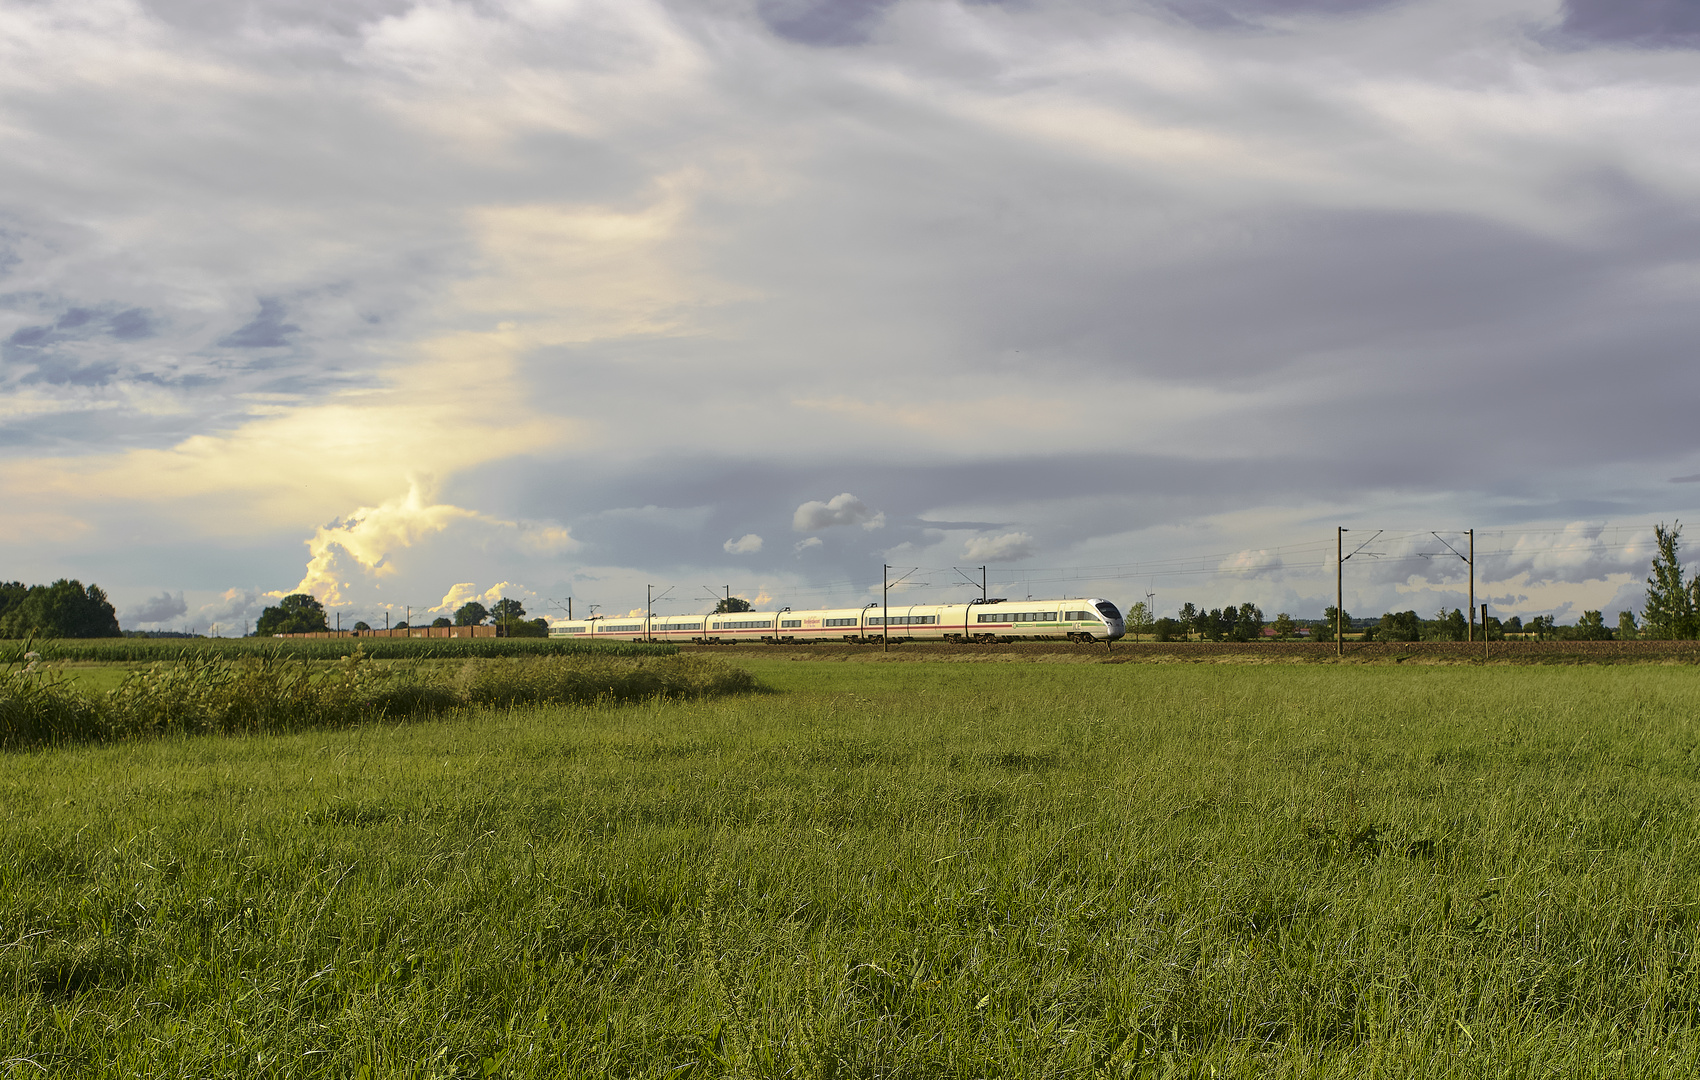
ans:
x=576 y=680
x=276 y=692
x=39 y=707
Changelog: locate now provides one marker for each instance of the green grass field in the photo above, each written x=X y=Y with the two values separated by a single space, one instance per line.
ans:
x=916 y=870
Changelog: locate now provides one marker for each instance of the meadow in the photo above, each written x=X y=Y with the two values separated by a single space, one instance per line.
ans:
x=908 y=870
x=173 y=650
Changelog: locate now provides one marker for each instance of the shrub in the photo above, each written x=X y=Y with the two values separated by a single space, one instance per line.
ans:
x=274 y=692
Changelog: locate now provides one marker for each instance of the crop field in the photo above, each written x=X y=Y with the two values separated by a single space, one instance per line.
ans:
x=913 y=869
x=149 y=650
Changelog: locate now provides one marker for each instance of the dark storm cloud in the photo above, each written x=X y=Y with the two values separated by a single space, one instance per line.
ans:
x=224 y=17
x=1248 y=13
x=1650 y=23
x=266 y=330
x=1104 y=493
x=30 y=336
x=134 y=324
x=1404 y=258
x=156 y=609
x=823 y=22
x=57 y=371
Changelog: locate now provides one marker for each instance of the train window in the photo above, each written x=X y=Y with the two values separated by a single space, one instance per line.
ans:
x=1107 y=609
x=838 y=622
x=790 y=624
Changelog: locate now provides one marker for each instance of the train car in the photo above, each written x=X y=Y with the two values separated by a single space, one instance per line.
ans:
x=1082 y=620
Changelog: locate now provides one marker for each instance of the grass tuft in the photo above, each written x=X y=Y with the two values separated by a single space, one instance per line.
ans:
x=275 y=692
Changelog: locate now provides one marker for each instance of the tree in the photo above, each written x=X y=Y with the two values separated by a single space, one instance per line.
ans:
x=297 y=613
x=1325 y=632
x=1670 y=604
x=1626 y=628
x=1457 y=628
x=731 y=604
x=1249 y=623
x=363 y=626
x=471 y=613
x=507 y=611
x=1138 y=618
x=62 y=609
x=1399 y=626
x=1592 y=627
x=441 y=620
x=528 y=628
x=1189 y=617
x=1211 y=625
x=1540 y=626
x=1167 y=629
x=12 y=594
x=400 y=625
x=1284 y=626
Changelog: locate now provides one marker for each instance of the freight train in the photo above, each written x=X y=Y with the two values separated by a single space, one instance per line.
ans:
x=1082 y=620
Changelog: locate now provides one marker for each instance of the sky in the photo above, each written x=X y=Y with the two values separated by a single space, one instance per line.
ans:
x=409 y=303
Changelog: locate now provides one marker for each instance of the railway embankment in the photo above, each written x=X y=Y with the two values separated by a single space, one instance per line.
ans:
x=1235 y=652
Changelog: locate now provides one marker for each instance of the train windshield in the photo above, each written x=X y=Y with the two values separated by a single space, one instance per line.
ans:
x=1108 y=610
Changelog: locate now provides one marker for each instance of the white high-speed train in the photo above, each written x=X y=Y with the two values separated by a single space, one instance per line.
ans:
x=1089 y=619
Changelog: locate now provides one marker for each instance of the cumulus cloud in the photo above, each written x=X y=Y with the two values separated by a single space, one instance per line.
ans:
x=158 y=609
x=371 y=534
x=843 y=509
x=465 y=592
x=234 y=611
x=1006 y=547
x=1580 y=552
x=1259 y=563
x=748 y=544
x=806 y=543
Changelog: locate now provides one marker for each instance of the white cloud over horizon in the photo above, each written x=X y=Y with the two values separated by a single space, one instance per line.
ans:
x=845 y=509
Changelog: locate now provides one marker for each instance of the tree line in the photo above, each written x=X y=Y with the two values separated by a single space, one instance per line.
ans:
x=65 y=608
x=302 y=613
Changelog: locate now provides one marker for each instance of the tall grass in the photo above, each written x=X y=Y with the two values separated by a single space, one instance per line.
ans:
x=886 y=870
x=147 y=650
x=272 y=692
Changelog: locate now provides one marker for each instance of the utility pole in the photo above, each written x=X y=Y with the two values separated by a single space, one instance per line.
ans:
x=339 y=622
x=885 y=607
x=982 y=584
x=569 y=609
x=648 y=610
x=1484 y=632
x=1339 y=589
x=1470 y=561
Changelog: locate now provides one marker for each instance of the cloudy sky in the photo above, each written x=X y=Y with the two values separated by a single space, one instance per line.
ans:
x=404 y=302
